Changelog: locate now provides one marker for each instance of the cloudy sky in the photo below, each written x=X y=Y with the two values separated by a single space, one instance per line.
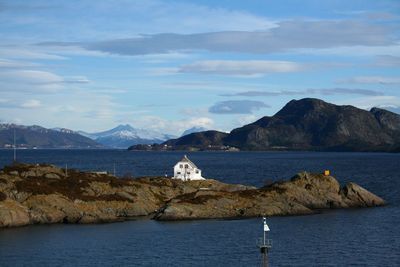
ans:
x=171 y=65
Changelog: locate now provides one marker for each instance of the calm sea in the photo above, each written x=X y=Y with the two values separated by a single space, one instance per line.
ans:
x=356 y=237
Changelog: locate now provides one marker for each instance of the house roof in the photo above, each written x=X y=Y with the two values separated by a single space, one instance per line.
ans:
x=185 y=159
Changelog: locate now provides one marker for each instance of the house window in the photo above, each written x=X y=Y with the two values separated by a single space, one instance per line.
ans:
x=186 y=166
x=181 y=166
x=178 y=173
x=188 y=172
x=197 y=171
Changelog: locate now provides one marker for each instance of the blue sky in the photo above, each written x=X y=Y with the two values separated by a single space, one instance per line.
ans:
x=172 y=65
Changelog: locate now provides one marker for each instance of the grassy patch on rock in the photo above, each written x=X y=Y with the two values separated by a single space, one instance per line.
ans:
x=191 y=198
x=72 y=187
x=3 y=196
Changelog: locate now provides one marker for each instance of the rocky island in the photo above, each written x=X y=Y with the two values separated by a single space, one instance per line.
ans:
x=44 y=194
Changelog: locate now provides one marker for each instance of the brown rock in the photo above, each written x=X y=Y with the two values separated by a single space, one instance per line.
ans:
x=356 y=196
x=13 y=213
x=304 y=193
x=51 y=176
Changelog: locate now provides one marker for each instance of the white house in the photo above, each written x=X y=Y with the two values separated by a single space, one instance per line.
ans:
x=187 y=170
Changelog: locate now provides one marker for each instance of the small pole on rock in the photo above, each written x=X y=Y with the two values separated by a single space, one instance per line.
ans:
x=114 y=169
x=66 y=170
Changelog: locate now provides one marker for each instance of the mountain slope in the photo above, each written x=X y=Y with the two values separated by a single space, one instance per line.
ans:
x=307 y=124
x=39 y=137
x=201 y=139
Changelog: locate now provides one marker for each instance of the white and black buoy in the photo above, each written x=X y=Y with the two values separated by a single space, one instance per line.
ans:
x=264 y=244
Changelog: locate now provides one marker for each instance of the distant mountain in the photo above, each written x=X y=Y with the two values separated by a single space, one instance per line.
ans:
x=201 y=139
x=194 y=130
x=312 y=124
x=306 y=124
x=39 y=137
x=124 y=136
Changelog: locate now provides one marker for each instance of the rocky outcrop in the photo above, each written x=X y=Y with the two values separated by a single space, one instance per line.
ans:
x=305 y=193
x=42 y=194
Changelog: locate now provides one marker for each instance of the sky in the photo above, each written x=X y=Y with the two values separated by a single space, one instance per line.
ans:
x=172 y=65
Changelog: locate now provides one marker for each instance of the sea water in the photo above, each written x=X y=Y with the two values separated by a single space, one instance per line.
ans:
x=354 y=237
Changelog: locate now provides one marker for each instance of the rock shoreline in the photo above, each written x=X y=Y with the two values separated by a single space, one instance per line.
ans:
x=43 y=194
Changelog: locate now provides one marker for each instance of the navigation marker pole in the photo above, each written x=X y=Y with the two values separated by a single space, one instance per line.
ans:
x=264 y=244
x=15 y=148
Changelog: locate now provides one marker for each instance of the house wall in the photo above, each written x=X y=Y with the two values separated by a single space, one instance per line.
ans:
x=189 y=173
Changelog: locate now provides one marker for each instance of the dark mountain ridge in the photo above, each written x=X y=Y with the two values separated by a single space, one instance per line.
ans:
x=308 y=124
x=206 y=138
x=39 y=137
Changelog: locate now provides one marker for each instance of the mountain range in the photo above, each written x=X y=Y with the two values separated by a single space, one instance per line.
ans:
x=306 y=124
x=36 y=136
x=40 y=137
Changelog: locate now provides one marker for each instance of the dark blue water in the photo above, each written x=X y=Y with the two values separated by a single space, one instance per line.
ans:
x=357 y=237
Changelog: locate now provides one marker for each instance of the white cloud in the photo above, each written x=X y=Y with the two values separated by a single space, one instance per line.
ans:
x=27 y=52
x=9 y=64
x=202 y=121
x=30 y=81
x=75 y=79
x=33 y=76
x=243 y=120
x=194 y=111
x=371 y=80
x=374 y=101
x=355 y=50
x=172 y=126
x=36 y=81
x=33 y=103
x=241 y=68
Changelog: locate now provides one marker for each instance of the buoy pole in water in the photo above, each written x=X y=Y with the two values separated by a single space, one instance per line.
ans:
x=264 y=244
x=15 y=148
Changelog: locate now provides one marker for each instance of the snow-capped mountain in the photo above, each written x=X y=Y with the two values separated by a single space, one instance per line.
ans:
x=194 y=130
x=64 y=130
x=124 y=136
